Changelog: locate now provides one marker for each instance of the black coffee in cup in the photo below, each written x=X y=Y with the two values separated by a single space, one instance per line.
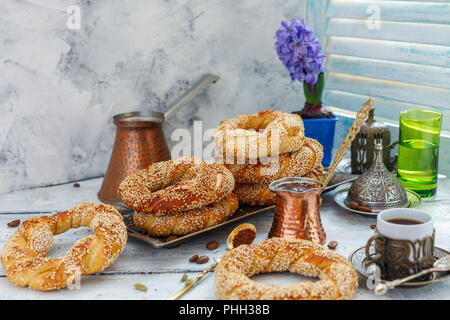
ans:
x=404 y=221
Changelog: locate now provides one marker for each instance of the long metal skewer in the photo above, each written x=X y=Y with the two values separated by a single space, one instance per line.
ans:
x=181 y=293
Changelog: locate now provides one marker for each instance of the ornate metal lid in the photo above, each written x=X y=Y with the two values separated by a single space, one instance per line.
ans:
x=377 y=188
x=373 y=126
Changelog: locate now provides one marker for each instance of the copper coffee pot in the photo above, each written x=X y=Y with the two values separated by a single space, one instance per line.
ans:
x=140 y=140
x=297 y=214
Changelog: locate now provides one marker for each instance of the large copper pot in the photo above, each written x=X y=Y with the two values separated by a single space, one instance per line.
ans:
x=297 y=213
x=140 y=141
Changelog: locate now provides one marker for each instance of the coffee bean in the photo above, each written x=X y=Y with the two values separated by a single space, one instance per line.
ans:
x=193 y=258
x=373 y=226
x=202 y=259
x=332 y=245
x=76 y=185
x=212 y=245
x=365 y=209
x=13 y=223
x=171 y=238
x=354 y=205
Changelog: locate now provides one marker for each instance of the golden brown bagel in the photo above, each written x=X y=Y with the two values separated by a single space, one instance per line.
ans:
x=338 y=279
x=174 y=186
x=259 y=194
x=24 y=255
x=188 y=221
x=293 y=164
x=260 y=135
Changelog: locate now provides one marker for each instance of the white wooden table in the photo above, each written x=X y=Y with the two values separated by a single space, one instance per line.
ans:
x=161 y=269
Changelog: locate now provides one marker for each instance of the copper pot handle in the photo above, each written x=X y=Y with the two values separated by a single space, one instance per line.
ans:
x=205 y=81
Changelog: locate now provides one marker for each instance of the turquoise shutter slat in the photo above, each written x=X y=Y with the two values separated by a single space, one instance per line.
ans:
x=419 y=11
x=419 y=74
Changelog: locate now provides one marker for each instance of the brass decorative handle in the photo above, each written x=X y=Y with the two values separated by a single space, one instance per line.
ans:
x=351 y=134
x=369 y=244
x=183 y=291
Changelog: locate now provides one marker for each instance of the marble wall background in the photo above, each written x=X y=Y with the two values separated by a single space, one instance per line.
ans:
x=60 y=87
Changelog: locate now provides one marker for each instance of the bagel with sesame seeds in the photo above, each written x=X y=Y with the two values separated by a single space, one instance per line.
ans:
x=24 y=255
x=189 y=221
x=337 y=277
x=259 y=194
x=263 y=134
x=174 y=186
x=293 y=164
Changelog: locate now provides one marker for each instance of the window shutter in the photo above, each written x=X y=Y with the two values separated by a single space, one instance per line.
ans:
x=402 y=59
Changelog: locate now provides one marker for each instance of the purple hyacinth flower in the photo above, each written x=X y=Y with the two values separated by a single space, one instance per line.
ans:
x=299 y=50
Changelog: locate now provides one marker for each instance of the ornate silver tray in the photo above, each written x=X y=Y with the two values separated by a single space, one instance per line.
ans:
x=341 y=193
x=358 y=258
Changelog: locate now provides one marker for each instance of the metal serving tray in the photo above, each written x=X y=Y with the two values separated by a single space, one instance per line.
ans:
x=242 y=213
x=161 y=242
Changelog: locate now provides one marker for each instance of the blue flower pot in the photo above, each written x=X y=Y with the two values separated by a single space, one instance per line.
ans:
x=323 y=131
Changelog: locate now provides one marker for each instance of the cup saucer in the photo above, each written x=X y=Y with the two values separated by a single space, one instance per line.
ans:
x=358 y=258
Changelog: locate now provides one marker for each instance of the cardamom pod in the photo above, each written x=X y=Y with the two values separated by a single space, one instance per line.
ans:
x=140 y=286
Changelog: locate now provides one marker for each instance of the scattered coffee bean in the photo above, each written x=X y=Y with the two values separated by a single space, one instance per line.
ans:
x=212 y=245
x=202 y=259
x=193 y=258
x=171 y=238
x=354 y=205
x=332 y=245
x=14 y=223
x=373 y=226
x=76 y=185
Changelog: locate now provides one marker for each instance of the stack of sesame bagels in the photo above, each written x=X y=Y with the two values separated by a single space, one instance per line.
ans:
x=178 y=197
x=264 y=147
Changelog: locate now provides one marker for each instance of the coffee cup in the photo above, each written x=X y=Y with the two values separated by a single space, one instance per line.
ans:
x=403 y=243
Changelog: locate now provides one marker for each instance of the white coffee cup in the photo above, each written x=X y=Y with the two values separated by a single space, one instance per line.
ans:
x=410 y=232
x=403 y=242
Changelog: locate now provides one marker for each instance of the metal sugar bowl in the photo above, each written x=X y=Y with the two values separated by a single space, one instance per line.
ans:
x=377 y=188
x=363 y=147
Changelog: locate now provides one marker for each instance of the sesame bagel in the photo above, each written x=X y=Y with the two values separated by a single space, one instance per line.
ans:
x=260 y=135
x=188 y=221
x=24 y=255
x=337 y=277
x=259 y=194
x=174 y=186
x=293 y=164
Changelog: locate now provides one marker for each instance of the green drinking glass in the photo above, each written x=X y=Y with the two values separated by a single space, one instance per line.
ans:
x=418 y=151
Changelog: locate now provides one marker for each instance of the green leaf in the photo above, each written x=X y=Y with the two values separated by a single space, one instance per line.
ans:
x=306 y=91
x=317 y=97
